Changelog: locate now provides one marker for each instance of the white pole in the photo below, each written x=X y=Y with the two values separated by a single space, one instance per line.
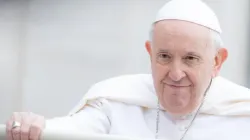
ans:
x=50 y=134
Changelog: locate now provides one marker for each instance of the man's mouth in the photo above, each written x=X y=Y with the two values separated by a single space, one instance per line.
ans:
x=177 y=86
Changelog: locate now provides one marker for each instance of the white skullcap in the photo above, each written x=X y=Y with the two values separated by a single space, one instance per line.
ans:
x=194 y=11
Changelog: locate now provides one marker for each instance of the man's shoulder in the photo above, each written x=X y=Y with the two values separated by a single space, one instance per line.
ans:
x=123 y=87
x=224 y=84
x=136 y=89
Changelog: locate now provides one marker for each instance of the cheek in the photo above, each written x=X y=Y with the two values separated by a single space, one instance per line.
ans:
x=158 y=73
x=195 y=76
x=200 y=79
x=200 y=73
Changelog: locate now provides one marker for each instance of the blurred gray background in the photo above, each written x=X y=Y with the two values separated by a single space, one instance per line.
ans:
x=52 y=51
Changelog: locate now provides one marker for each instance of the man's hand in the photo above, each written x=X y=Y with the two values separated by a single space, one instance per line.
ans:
x=24 y=126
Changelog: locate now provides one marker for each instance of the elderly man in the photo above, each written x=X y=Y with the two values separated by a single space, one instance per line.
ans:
x=182 y=99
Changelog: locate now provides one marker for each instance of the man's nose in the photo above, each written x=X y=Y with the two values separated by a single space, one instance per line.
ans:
x=176 y=72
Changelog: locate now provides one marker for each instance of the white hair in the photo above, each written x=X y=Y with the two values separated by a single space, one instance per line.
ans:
x=216 y=39
x=215 y=36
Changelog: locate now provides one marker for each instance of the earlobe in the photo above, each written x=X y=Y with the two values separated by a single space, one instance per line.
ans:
x=222 y=54
x=220 y=58
x=148 y=47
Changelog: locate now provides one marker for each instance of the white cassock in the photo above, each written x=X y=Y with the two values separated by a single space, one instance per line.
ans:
x=127 y=106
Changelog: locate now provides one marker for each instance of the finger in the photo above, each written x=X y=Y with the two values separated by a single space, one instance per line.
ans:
x=36 y=128
x=25 y=130
x=8 y=128
x=16 y=131
x=26 y=123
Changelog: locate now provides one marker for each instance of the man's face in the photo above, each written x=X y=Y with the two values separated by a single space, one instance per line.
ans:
x=183 y=63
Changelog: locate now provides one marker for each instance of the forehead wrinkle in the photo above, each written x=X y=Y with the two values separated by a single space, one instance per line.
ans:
x=179 y=28
x=172 y=35
x=186 y=42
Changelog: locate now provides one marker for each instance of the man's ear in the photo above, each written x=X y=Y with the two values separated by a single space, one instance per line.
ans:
x=220 y=58
x=148 y=47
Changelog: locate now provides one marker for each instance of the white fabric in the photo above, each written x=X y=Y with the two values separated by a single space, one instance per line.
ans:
x=224 y=97
x=126 y=106
x=116 y=118
x=194 y=11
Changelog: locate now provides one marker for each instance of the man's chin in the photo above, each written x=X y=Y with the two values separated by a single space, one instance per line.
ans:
x=179 y=111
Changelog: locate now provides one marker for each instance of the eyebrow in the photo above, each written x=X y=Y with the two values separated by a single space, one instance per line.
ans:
x=187 y=53
x=194 y=54
x=163 y=50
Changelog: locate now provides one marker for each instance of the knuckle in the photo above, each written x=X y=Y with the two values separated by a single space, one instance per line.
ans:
x=16 y=131
x=35 y=127
x=9 y=129
x=25 y=132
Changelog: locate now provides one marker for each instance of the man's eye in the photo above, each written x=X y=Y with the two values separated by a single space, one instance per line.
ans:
x=164 y=56
x=191 y=58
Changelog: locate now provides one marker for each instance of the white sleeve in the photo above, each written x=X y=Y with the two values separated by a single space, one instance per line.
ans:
x=93 y=118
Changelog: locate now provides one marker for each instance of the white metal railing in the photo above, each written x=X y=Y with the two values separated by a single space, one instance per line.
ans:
x=50 y=134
